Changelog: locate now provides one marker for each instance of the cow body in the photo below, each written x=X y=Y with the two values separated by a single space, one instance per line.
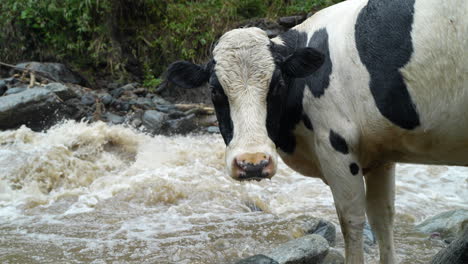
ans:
x=343 y=96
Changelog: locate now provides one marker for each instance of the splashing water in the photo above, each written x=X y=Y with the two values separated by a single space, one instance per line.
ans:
x=92 y=193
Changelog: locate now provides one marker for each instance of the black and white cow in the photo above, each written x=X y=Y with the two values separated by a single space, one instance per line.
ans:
x=343 y=96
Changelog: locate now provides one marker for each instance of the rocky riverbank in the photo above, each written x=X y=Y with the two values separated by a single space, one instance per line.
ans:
x=40 y=95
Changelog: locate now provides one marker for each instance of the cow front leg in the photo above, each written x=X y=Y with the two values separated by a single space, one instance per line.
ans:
x=343 y=173
x=380 y=201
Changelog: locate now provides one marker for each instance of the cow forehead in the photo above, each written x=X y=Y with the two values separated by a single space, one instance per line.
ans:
x=244 y=62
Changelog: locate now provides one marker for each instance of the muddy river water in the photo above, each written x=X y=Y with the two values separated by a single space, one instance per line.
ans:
x=83 y=193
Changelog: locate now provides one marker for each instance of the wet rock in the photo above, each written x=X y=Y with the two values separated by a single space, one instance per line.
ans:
x=213 y=129
x=333 y=257
x=160 y=101
x=307 y=249
x=166 y=108
x=455 y=253
x=448 y=224
x=182 y=125
x=291 y=21
x=121 y=105
x=3 y=87
x=106 y=99
x=143 y=103
x=116 y=93
x=129 y=87
x=62 y=91
x=141 y=92
x=88 y=99
x=16 y=90
x=57 y=71
x=113 y=118
x=322 y=228
x=154 y=121
x=368 y=235
x=257 y=259
x=37 y=108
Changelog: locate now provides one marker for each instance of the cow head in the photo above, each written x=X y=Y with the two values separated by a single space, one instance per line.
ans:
x=249 y=88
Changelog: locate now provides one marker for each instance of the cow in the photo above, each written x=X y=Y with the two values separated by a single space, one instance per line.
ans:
x=343 y=96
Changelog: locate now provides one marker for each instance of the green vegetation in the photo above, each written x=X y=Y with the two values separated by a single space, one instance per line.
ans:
x=128 y=37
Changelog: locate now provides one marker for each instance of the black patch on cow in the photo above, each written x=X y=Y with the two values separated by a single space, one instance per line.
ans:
x=383 y=40
x=276 y=94
x=338 y=142
x=307 y=123
x=223 y=112
x=354 y=168
x=188 y=75
x=320 y=79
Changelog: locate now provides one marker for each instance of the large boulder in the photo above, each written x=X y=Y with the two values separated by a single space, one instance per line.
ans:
x=333 y=257
x=57 y=71
x=455 y=253
x=448 y=224
x=322 y=228
x=36 y=108
x=309 y=249
x=154 y=121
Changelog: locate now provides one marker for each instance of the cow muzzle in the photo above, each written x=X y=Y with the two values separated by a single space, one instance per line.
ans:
x=252 y=166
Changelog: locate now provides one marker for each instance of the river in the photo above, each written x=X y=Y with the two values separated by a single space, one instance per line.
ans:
x=93 y=193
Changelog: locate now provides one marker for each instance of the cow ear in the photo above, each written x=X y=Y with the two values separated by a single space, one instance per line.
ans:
x=187 y=75
x=303 y=62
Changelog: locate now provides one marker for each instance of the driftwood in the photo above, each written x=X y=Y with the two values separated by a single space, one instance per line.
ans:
x=195 y=109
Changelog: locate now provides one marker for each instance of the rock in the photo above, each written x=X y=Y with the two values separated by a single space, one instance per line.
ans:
x=3 y=87
x=113 y=118
x=129 y=87
x=455 y=253
x=16 y=90
x=116 y=93
x=88 y=99
x=37 y=108
x=121 y=105
x=322 y=228
x=182 y=125
x=213 y=129
x=141 y=91
x=154 y=121
x=160 y=101
x=257 y=259
x=166 y=108
x=368 y=234
x=106 y=99
x=307 y=249
x=62 y=91
x=57 y=71
x=143 y=103
x=291 y=21
x=333 y=257
x=448 y=224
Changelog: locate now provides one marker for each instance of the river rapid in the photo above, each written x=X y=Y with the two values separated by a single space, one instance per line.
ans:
x=93 y=193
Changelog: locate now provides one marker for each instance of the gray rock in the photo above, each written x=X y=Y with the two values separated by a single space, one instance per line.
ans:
x=37 y=108
x=129 y=87
x=166 y=108
x=154 y=121
x=113 y=118
x=160 y=101
x=291 y=21
x=213 y=129
x=322 y=228
x=182 y=125
x=448 y=224
x=106 y=99
x=121 y=105
x=57 y=71
x=62 y=91
x=333 y=257
x=455 y=253
x=16 y=90
x=116 y=93
x=3 y=87
x=257 y=259
x=88 y=99
x=368 y=235
x=307 y=249
x=143 y=103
